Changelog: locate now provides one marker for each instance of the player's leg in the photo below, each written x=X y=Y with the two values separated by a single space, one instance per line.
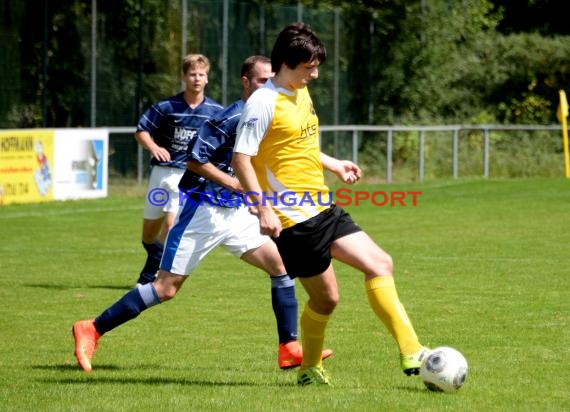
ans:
x=184 y=251
x=153 y=219
x=323 y=298
x=305 y=250
x=169 y=218
x=164 y=288
x=361 y=252
x=154 y=237
x=284 y=302
x=283 y=297
x=244 y=240
x=129 y=306
x=153 y=247
x=175 y=201
x=160 y=210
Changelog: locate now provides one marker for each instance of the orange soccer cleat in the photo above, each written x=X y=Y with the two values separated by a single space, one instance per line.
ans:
x=291 y=354
x=86 y=337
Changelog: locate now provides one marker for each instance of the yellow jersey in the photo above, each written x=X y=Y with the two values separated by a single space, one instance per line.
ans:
x=279 y=129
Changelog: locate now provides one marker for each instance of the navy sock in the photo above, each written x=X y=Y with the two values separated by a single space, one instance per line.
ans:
x=284 y=307
x=127 y=308
x=152 y=264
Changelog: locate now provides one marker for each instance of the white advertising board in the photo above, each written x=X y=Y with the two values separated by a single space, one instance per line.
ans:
x=80 y=163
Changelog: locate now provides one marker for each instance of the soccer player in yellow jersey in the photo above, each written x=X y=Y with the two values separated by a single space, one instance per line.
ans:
x=278 y=161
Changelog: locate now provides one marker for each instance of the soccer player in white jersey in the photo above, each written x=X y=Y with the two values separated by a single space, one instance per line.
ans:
x=165 y=130
x=213 y=214
x=276 y=152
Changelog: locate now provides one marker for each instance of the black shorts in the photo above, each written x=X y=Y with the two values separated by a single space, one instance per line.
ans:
x=306 y=247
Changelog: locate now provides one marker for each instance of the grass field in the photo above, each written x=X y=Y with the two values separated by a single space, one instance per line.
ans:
x=480 y=265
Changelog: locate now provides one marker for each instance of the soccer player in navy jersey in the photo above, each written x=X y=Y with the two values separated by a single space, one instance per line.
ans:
x=165 y=130
x=213 y=214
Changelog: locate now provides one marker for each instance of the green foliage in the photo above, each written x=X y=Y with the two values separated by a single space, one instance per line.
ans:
x=54 y=96
x=445 y=63
x=139 y=55
x=535 y=69
x=394 y=62
x=430 y=59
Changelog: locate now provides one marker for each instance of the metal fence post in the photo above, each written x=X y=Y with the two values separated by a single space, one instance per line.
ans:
x=486 y=153
x=355 y=146
x=421 y=159
x=184 y=33
x=139 y=164
x=389 y=157
x=455 y=152
x=93 y=63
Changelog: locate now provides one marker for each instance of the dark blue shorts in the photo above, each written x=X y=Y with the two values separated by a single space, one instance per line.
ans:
x=306 y=247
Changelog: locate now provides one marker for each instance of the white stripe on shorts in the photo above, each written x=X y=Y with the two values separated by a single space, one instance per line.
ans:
x=200 y=228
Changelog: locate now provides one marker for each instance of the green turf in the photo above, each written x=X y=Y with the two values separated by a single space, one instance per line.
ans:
x=480 y=265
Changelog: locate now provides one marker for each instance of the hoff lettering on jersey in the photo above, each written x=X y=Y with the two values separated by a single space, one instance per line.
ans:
x=182 y=137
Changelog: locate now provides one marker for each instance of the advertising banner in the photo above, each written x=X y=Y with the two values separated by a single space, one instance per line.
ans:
x=26 y=161
x=80 y=163
x=38 y=165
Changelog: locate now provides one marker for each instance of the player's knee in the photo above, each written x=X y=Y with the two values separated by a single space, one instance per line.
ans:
x=167 y=294
x=385 y=264
x=329 y=302
x=333 y=301
x=276 y=268
x=165 y=289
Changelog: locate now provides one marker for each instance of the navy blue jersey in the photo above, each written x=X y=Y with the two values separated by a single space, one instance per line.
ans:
x=214 y=143
x=172 y=123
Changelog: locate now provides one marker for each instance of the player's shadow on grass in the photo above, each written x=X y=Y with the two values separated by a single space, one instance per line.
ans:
x=92 y=377
x=51 y=286
x=83 y=377
x=71 y=367
x=154 y=381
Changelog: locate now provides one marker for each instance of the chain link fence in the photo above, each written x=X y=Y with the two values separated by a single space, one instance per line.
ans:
x=105 y=64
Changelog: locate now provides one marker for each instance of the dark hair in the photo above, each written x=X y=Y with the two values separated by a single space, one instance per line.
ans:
x=249 y=64
x=296 y=44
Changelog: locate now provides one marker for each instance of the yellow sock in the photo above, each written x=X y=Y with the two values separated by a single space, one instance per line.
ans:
x=383 y=299
x=313 y=327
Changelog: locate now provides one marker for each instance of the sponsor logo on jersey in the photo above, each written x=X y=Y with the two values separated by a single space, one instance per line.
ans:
x=308 y=131
x=249 y=123
x=181 y=138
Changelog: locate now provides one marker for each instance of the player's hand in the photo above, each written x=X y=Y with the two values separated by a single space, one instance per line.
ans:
x=269 y=223
x=160 y=154
x=236 y=186
x=348 y=172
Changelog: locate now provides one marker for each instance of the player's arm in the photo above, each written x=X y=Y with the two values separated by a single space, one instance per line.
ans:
x=147 y=142
x=268 y=221
x=213 y=174
x=346 y=170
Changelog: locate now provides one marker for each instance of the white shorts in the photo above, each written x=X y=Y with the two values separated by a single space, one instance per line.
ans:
x=200 y=228
x=162 y=195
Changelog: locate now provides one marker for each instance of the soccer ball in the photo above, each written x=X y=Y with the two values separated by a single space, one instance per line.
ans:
x=444 y=369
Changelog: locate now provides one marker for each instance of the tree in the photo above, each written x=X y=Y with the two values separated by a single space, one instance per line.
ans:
x=545 y=17
x=52 y=67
